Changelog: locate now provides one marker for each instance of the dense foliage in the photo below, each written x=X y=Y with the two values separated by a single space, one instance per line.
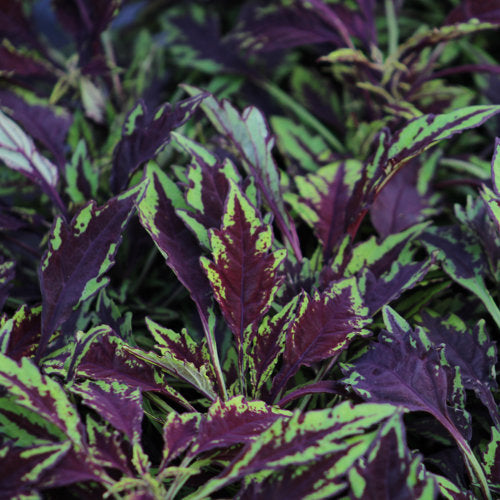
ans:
x=249 y=250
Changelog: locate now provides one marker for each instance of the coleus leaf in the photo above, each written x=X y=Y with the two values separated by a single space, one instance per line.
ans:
x=485 y=11
x=244 y=273
x=249 y=134
x=234 y=421
x=145 y=133
x=475 y=219
x=79 y=254
x=264 y=344
x=462 y=258
x=325 y=325
x=389 y=469
x=415 y=137
x=492 y=196
x=40 y=394
x=108 y=448
x=85 y=21
x=491 y=460
x=206 y=189
x=119 y=404
x=405 y=200
x=325 y=201
x=18 y=152
x=472 y=351
x=100 y=354
x=158 y=215
x=185 y=357
x=405 y=369
x=303 y=439
x=45 y=123
x=19 y=335
x=283 y=26
x=24 y=468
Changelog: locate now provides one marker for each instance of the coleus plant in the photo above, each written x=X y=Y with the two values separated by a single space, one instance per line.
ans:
x=190 y=312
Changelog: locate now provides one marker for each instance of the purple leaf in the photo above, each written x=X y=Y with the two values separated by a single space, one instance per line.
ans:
x=402 y=203
x=486 y=11
x=79 y=254
x=85 y=20
x=325 y=325
x=19 y=153
x=472 y=351
x=206 y=188
x=390 y=470
x=405 y=369
x=234 y=421
x=20 y=334
x=42 y=123
x=145 y=133
x=304 y=439
x=158 y=215
x=157 y=212
x=266 y=342
x=117 y=403
x=301 y=23
x=102 y=355
x=179 y=432
x=24 y=468
x=244 y=273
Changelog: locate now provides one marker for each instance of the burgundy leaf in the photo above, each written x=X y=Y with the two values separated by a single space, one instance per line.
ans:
x=179 y=431
x=401 y=204
x=244 y=273
x=234 y=421
x=326 y=324
x=157 y=212
x=101 y=354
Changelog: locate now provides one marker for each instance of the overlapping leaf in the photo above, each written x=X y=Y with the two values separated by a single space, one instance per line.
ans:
x=463 y=259
x=20 y=334
x=100 y=354
x=492 y=196
x=119 y=404
x=18 y=151
x=389 y=468
x=79 y=254
x=472 y=351
x=157 y=212
x=304 y=439
x=405 y=369
x=325 y=325
x=325 y=201
x=206 y=190
x=250 y=136
x=144 y=133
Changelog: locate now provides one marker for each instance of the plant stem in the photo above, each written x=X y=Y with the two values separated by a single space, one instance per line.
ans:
x=392 y=26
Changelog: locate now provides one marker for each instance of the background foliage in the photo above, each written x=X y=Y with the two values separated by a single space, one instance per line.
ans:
x=249 y=250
